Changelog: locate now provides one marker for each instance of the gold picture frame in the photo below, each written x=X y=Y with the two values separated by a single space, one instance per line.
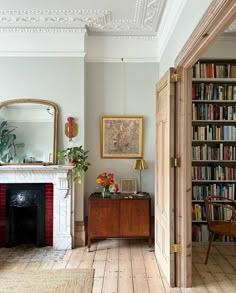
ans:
x=121 y=136
x=128 y=185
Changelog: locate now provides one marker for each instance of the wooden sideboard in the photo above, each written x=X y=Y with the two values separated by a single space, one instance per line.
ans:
x=119 y=216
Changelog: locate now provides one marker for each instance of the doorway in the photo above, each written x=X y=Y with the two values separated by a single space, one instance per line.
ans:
x=217 y=18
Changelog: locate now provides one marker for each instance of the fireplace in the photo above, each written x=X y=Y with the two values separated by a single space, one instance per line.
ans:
x=40 y=198
x=25 y=214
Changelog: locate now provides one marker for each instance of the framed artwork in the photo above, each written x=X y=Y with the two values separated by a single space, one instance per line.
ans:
x=121 y=136
x=128 y=185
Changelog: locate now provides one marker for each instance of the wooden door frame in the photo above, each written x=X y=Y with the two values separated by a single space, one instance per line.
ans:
x=219 y=15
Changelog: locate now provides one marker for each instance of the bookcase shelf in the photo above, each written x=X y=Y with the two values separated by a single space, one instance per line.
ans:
x=217 y=162
x=215 y=80
x=213 y=141
x=213 y=181
x=215 y=101
x=199 y=122
x=213 y=138
x=200 y=200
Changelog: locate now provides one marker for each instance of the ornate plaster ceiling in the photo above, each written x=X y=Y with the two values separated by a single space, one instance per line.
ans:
x=113 y=18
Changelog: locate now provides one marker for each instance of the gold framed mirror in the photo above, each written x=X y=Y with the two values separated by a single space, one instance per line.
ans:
x=28 y=131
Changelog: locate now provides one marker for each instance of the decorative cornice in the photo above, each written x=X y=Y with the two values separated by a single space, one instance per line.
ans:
x=147 y=17
x=97 y=22
x=43 y=30
x=79 y=17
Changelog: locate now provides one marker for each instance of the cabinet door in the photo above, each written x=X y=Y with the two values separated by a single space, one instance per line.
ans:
x=103 y=218
x=134 y=217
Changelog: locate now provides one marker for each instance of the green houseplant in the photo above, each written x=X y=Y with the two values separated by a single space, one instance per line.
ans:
x=76 y=157
x=8 y=146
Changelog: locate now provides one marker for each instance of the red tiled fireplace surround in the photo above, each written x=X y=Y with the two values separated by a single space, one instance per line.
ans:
x=48 y=214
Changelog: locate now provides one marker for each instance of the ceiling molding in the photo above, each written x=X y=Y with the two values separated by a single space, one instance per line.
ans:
x=41 y=54
x=77 y=18
x=147 y=15
x=147 y=18
x=43 y=30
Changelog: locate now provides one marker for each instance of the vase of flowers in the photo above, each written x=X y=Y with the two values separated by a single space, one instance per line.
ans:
x=106 y=180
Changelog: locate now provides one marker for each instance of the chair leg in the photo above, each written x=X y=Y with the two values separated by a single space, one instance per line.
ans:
x=209 y=247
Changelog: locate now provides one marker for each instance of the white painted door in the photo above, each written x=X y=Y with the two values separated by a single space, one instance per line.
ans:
x=164 y=174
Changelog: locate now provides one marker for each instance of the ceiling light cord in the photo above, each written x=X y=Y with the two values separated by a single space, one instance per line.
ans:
x=124 y=84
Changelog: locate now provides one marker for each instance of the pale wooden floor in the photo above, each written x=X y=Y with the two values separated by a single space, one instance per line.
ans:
x=125 y=266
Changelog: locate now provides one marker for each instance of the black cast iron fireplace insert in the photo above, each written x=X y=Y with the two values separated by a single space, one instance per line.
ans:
x=25 y=214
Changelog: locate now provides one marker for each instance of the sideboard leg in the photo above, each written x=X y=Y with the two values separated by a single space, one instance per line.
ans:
x=89 y=244
x=150 y=241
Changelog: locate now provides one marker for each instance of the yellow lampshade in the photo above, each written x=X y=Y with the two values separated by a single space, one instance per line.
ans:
x=140 y=165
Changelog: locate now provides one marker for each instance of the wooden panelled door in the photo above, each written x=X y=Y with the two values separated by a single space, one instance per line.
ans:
x=164 y=174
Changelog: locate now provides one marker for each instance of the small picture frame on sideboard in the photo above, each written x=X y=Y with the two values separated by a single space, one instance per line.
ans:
x=128 y=185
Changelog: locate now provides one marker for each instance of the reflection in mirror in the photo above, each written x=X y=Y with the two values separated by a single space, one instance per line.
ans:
x=28 y=132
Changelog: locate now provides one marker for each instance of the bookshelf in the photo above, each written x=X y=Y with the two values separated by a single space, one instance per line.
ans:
x=213 y=139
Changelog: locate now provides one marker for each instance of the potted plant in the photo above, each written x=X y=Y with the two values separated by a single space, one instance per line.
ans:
x=77 y=158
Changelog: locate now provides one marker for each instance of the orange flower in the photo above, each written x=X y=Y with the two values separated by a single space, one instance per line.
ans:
x=105 y=179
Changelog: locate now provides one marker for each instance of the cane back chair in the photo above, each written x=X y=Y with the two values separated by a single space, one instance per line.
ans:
x=221 y=218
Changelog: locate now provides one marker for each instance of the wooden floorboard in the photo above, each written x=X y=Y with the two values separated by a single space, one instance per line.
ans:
x=128 y=266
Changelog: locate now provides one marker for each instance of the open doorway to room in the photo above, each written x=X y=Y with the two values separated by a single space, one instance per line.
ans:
x=213 y=158
x=207 y=35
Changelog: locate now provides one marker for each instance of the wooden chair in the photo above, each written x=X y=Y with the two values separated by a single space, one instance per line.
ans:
x=223 y=222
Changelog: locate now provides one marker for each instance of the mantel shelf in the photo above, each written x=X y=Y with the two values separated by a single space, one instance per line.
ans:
x=34 y=167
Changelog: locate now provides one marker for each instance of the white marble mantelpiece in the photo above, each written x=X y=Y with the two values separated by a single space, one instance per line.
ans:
x=63 y=195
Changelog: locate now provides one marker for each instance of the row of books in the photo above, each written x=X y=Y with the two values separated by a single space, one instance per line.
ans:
x=200 y=233
x=213 y=70
x=218 y=152
x=199 y=192
x=214 y=132
x=218 y=213
x=213 y=173
x=214 y=92
x=213 y=112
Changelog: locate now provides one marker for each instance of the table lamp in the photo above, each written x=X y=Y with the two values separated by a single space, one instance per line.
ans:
x=140 y=165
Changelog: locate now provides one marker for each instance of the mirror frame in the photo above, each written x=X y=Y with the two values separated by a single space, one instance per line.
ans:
x=55 y=126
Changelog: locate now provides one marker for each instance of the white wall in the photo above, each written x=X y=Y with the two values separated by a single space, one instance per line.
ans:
x=224 y=47
x=111 y=89
x=188 y=19
x=60 y=80
x=119 y=89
